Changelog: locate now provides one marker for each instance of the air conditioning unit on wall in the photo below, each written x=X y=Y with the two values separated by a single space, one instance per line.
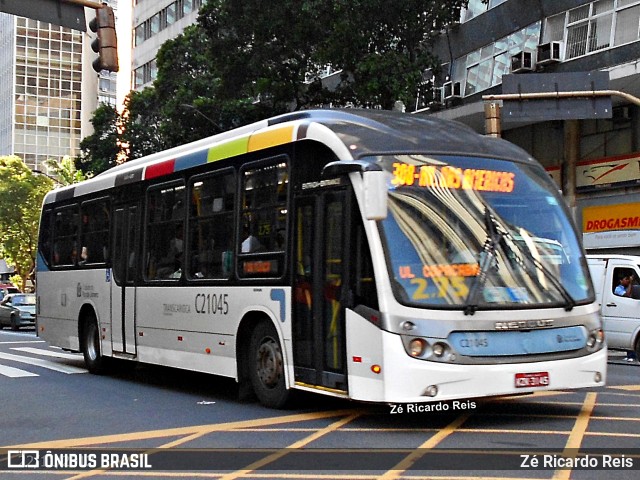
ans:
x=451 y=90
x=550 y=52
x=522 y=62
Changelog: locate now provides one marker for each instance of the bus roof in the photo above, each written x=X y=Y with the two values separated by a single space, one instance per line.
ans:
x=350 y=133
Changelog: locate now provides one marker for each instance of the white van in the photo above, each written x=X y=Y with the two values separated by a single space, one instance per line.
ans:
x=620 y=315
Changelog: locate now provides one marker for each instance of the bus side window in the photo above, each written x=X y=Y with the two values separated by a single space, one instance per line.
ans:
x=211 y=225
x=164 y=250
x=65 y=236
x=46 y=236
x=94 y=234
x=264 y=213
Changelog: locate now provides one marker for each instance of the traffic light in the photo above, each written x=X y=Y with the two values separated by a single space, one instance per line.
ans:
x=105 y=45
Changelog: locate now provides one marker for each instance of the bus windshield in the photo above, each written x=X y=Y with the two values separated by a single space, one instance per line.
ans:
x=477 y=233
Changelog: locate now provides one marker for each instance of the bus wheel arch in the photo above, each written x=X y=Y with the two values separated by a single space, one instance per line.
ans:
x=261 y=366
x=89 y=335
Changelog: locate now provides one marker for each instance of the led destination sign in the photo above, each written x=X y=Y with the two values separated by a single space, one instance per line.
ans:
x=452 y=177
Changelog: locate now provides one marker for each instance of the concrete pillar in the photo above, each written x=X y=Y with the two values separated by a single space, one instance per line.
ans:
x=492 y=125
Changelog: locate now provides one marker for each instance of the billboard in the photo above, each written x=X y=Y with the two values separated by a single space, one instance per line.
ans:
x=611 y=226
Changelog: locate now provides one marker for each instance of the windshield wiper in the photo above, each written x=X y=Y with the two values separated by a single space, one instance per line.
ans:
x=564 y=293
x=489 y=250
x=496 y=236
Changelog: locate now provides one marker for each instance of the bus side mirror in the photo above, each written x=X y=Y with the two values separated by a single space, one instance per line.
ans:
x=375 y=194
x=374 y=181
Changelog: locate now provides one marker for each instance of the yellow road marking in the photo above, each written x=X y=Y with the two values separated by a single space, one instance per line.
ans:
x=414 y=456
x=546 y=393
x=175 y=432
x=628 y=388
x=577 y=433
x=299 y=444
x=200 y=431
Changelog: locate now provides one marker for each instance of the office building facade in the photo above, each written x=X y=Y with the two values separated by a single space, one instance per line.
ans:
x=155 y=22
x=48 y=90
x=594 y=160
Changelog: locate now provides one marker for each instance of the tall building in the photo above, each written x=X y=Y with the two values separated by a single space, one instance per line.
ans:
x=48 y=90
x=40 y=89
x=595 y=161
x=155 y=22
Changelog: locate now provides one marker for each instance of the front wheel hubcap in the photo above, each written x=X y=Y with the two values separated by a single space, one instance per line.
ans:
x=269 y=363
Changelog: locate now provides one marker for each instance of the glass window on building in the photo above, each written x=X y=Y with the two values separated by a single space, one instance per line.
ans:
x=139 y=35
x=154 y=23
x=138 y=77
x=627 y=25
x=485 y=67
x=187 y=7
x=601 y=25
x=171 y=12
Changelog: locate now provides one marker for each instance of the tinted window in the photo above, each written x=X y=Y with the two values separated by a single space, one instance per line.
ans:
x=165 y=232
x=211 y=226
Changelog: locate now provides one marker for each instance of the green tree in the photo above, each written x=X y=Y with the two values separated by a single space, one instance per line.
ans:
x=267 y=55
x=186 y=89
x=382 y=48
x=65 y=171
x=21 y=195
x=142 y=120
x=99 y=151
x=242 y=62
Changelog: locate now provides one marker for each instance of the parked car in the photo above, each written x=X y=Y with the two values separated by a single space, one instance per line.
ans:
x=6 y=288
x=18 y=310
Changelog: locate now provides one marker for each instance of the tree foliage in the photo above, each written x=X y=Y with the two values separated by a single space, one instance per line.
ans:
x=241 y=62
x=141 y=123
x=21 y=195
x=65 y=171
x=99 y=151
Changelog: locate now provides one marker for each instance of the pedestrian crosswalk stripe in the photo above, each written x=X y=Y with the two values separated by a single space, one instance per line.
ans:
x=49 y=353
x=58 y=367
x=15 y=372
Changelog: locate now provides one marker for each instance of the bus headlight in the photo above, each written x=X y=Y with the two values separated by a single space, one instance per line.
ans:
x=439 y=349
x=596 y=339
x=417 y=347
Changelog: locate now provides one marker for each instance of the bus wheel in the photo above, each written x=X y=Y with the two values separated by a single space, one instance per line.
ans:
x=267 y=366
x=93 y=359
x=637 y=349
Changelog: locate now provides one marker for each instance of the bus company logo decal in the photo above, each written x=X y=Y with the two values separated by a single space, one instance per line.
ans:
x=523 y=324
x=86 y=291
x=171 y=308
x=568 y=339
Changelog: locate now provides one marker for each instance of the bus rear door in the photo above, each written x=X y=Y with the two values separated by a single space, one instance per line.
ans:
x=123 y=290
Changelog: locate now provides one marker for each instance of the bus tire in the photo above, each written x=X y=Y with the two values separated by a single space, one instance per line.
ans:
x=93 y=358
x=637 y=348
x=266 y=366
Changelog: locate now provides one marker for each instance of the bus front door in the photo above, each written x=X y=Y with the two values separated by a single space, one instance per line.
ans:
x=123 y=286
x=321 y=253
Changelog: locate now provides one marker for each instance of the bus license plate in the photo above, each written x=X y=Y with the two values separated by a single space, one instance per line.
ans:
x=537 y=379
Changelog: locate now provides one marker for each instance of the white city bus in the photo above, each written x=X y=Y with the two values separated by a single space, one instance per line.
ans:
x=368 y=255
